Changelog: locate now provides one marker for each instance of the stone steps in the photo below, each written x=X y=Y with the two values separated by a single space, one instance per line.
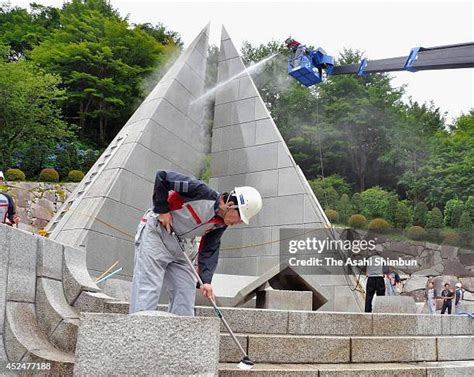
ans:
x=309 y=349
x=267 y=321
x=307 y=337
x=428 y=369
x=46 y=285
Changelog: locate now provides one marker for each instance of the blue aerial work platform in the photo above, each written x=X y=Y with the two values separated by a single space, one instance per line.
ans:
x=313 y=63
x=309 y=70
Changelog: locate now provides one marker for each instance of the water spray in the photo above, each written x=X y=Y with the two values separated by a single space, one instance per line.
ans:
x=248 y=70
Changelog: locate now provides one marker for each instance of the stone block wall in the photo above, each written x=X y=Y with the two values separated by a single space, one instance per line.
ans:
x=37 y=202
x=442 y=263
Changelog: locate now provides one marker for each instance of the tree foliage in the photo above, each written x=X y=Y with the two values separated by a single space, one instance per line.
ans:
x=360 y=129
x=101 y=61
x=30 y=115
x=420 y=214
x=85 y=69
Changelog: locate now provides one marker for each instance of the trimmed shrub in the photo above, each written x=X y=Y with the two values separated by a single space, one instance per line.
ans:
x=75 y=176
x=402 y=216
x=332 y=215
x=49 y=175
x=15 y=175
x=357 y=221
x=451 y=238
x=379 y=225
x=416 y=232
x=420 y=214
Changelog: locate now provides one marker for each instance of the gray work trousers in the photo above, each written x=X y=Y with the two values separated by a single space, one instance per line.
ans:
x=159 y=263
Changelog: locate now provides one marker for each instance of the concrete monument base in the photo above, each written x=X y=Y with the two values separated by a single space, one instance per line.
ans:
x=147 y=343
x=285 y=300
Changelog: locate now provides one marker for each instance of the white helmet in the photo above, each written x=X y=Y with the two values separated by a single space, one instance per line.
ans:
x=458 y=285
x=249 y=202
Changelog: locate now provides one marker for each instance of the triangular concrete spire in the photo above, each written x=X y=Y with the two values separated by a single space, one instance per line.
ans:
x=247 y=149
x=166 y=132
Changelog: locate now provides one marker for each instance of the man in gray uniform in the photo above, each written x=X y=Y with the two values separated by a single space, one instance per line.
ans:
x=375 y=280
x=192 y=209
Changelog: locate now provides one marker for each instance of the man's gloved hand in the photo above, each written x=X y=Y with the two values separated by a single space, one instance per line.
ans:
x=166 y=220
x=208 y=291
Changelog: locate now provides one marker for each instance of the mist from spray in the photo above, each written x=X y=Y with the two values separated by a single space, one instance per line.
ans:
x=252 y=69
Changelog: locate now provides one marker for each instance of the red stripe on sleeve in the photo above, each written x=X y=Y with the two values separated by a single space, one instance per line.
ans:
x=193 y=213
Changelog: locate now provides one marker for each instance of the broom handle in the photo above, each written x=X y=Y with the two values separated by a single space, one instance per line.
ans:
x=216 y=308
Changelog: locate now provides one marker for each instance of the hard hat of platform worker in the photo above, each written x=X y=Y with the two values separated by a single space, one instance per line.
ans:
x=246 y=201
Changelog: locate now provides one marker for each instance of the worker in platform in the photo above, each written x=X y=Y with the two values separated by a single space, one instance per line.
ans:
x=192 y=209
x=298 y=49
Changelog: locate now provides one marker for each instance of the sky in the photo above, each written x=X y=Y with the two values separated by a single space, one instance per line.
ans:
x=380 y=29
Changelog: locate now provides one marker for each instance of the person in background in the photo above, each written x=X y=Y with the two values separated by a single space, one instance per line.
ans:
x=458 y=298
x=375 y=280
x=431 y=297
x=447 y=295
x=389 y=285
x=7 y=206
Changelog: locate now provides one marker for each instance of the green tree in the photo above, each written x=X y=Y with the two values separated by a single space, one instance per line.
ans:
x=449 y=209
x=411 y=146
x=101 y=60
x=357 y=203
x=30 y=115
x=326 y=194
x=469 y=207
x=375 y=202
x=161 y=34
x=22 y=30
x=360 y=112
x=392 y=207
x=420 y=214
x=344 y=208
x=402 y=216
x=435 y=223
x=449 y=174
x=465 y=228
x=456 y=216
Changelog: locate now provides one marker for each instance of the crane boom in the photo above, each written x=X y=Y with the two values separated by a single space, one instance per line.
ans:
x=419 y=59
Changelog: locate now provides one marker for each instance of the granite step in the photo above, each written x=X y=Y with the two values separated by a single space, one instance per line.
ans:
x=265 y=321
x=425 y=369
x=268 y=321
x=310 y=349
